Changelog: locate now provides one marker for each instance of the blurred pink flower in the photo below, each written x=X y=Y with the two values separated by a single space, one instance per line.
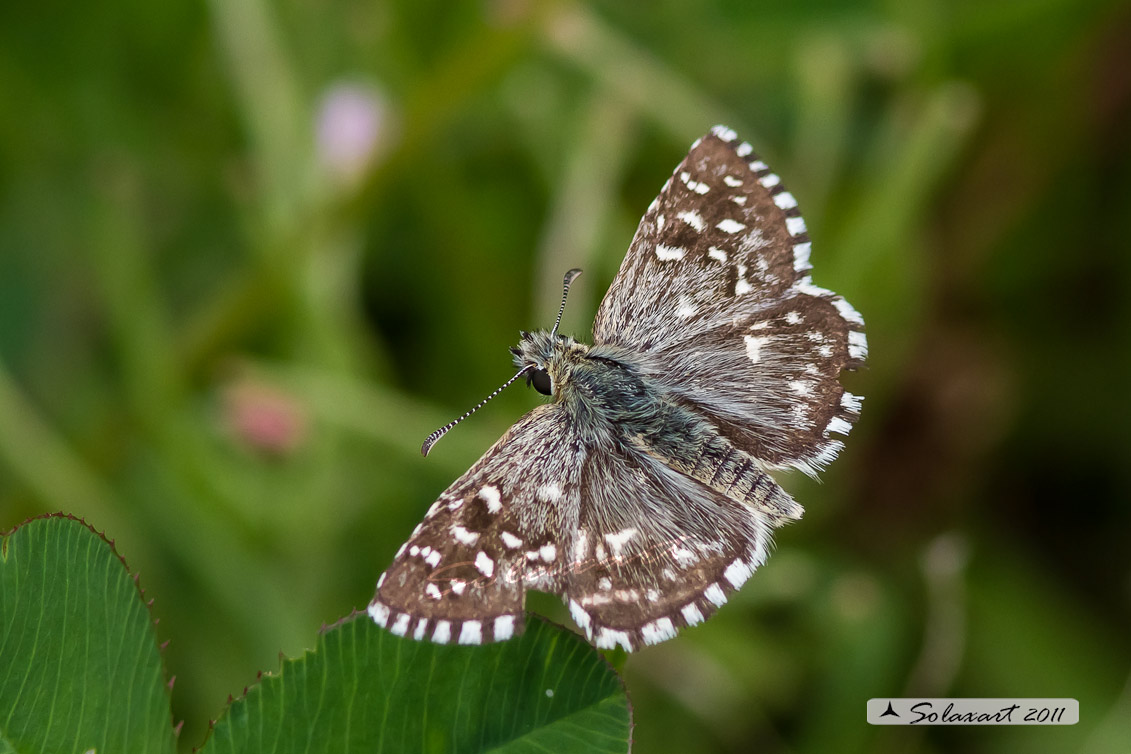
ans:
x=352 y=126
x=264 y=418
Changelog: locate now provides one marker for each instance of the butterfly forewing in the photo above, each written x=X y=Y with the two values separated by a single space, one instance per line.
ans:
x=715 y=295
x=712 y=245
x=462 y=575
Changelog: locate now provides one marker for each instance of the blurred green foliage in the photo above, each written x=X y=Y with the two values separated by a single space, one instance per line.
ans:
x=251 y=254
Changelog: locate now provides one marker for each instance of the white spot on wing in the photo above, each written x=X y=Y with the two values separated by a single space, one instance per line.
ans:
x=717 y=254
x=740 y=200
x=857 y=345
x=730 y=226
x=724 y=133
x=433 y=591
x=685 y=556
x=848 y=402
x=744 y=149
x=511 y=541
x=580 y=545
x=839 y=425
x=731 y=181
x=581 y=618
x=740 y=285
x=433 y=558
x=801 y=256
x=785 y=200
x=795 y=226
x=847 y=312
x=737 y=573
x=607 y=638
x=548 y=552
x=692 y=218
x=485 y=565
x=443 y=632
x=458 y=585
x=657 y=631
x=691 y=614
x=828 y=453
x=400 y=625
x=669 y=253
x=696 y=186
x=379 y=613
x=769 y=180
x=421 y=624
x=758 y=166
x=471 y=632
x=754 y=345
x=464 y=536
x=617 y=541
x=504 y=627
x=551 y=492
x=686 y=308
x=715 y=595
x=490 y=496
x=792 y=318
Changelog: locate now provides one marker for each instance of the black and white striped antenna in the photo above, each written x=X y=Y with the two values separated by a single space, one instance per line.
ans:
x=432 y=438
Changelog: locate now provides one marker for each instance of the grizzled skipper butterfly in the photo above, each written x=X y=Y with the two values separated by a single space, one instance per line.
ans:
x=642 y=492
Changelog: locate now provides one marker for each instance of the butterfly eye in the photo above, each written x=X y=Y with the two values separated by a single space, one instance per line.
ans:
x=540 y=379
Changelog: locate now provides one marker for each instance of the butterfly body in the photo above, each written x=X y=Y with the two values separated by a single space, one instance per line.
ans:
x=641 y=492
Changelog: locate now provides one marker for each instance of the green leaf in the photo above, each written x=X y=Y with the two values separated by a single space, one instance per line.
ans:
x=365 y=690
x=80 y=669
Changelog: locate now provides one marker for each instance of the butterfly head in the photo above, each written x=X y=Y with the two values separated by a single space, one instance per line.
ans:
x=542 y=356
x=545 y=358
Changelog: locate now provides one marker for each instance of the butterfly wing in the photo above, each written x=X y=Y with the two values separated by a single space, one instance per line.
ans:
x=499 y=528
x=656 y=550
x=716 y=298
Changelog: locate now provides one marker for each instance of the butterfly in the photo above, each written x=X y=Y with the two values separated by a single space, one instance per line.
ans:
x=642 y=492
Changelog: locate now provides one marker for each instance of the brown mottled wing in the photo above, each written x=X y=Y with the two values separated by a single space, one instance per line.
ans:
x=499 y=528
x=656 y=550
x=715 y=295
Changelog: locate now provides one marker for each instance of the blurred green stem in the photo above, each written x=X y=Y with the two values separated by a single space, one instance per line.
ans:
x=275 y=113
x=640 y=80
x=581 y=208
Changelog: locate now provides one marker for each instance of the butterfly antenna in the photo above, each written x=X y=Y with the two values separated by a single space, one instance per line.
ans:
x=432 y=438
x=569 y=278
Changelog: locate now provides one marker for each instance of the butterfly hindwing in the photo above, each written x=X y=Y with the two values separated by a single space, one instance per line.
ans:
x=655 y=550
